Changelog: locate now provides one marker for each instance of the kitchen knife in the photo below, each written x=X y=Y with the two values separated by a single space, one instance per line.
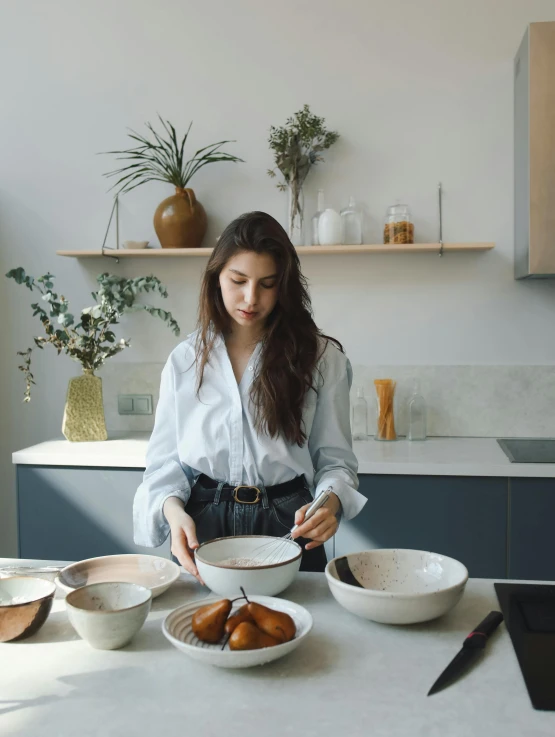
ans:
x=472 y=648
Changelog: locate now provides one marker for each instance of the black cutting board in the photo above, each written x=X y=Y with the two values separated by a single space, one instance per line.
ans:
x=529 y=613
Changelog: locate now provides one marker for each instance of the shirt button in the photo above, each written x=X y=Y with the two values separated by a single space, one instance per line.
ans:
x=250 y=368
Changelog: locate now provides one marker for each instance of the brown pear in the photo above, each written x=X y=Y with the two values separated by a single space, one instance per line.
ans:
x=247 y=636
x=209 y=621
x=241 y=615
x=273 y=623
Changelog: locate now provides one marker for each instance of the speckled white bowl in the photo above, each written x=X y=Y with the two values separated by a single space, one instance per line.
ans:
x=151 y=571
x=279 y=562
x=108 y=615
x=400 y=586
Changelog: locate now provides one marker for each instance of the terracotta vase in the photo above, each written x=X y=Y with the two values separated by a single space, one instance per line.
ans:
x=180 y=220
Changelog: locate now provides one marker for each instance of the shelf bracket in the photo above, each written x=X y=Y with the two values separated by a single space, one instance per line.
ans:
x=440 y=206
x=115 y=209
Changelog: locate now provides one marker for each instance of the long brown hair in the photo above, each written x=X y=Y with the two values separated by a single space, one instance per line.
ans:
x=292 y=343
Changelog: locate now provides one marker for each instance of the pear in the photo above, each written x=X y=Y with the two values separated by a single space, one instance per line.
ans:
x=241 y=615
x=273 y=623
x=247 y=636
x=209 y=621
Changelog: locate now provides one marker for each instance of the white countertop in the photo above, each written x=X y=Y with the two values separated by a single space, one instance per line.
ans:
x=351 y=677
x=435 y=456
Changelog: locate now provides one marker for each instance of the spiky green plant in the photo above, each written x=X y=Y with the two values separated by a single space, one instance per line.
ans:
x=162 y=159
x=90 y=341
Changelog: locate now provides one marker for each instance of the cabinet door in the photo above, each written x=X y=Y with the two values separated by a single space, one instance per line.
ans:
x=76 y=513
x=531 y=529
x=462 y=517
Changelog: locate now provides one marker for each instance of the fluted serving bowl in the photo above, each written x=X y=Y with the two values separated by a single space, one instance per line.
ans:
x=177 y=627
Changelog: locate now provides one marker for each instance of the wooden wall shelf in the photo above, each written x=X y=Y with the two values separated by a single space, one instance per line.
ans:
x=301 y=250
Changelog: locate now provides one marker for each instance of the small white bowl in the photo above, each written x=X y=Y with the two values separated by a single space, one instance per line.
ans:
x=400 y=586
x=177 y=628
x=25 y=604
x=279 y=562
x=108 y=615
x=156 y=574
x=135 y=244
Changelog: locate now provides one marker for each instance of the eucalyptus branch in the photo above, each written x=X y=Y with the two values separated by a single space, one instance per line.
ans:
x=297 y=147
x=90 y=341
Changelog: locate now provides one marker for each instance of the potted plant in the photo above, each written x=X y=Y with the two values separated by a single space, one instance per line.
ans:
x=89 y=341
x=297 y=147
x=180 y=220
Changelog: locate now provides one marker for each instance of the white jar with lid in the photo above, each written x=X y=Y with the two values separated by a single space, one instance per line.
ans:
x=329 y=228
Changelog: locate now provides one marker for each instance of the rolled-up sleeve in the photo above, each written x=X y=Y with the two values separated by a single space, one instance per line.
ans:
x=164 y=475
x=330 y=444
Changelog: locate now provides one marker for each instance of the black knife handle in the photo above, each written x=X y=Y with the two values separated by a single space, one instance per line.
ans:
x=477 y=638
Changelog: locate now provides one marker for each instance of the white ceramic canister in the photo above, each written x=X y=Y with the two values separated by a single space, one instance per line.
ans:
x=329 y=228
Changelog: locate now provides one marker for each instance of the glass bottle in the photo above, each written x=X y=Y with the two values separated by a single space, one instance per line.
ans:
x=314 y=238
x=351 y=224
x=360 y=416
x=417 y=414
x=398 y=227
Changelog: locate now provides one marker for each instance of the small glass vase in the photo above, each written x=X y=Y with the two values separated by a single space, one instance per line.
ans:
x=385 y=409
x=84 y=410
x=295 y=215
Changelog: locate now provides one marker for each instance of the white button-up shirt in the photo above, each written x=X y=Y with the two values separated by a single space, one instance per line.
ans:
x=214 y=434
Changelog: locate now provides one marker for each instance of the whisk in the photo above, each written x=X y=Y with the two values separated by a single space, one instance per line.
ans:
x=273 y=550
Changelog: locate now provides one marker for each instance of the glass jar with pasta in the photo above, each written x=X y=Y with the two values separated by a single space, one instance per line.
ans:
x=398 y=227
x=385 y=409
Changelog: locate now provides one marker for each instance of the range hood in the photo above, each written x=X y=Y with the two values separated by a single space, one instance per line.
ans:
x=534 y=151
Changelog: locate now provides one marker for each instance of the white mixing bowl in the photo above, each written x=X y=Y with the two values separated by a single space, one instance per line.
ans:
x=399 y=586
x=218 y=562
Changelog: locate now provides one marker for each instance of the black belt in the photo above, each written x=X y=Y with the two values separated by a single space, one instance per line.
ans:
x=244 y=493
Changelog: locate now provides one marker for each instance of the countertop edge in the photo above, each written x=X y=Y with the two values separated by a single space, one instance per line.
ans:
x=472 y=457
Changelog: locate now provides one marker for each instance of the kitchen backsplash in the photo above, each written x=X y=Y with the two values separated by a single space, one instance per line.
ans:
x=463 y=401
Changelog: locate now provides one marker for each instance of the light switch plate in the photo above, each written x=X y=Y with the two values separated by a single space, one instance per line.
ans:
x=135 y=404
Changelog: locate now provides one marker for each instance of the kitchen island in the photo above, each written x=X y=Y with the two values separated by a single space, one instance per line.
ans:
x=350 y=677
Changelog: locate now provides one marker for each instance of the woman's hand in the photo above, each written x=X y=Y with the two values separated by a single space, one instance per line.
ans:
x=321 y=526
x=183 y=535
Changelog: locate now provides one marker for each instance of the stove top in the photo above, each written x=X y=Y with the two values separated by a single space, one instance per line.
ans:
x=528 y=450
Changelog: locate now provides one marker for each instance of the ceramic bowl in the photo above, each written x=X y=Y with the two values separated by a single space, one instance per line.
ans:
x=25 y=604
x=108 y=615
x=272 y=564
x=177 y=628
x=135 y=244
x=399 y=586
x=156 y=574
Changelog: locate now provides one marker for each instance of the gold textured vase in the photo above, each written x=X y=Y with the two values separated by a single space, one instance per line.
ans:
x=84 y=410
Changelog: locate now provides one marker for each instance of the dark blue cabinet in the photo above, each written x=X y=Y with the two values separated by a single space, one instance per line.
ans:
x=497 y=527
x=463 y=517
x=532 y=529
x=68 y=513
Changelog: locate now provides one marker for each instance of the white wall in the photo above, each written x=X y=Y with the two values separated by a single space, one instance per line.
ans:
x=420 y=92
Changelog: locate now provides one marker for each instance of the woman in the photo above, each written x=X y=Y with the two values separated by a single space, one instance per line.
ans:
x=253 y=410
